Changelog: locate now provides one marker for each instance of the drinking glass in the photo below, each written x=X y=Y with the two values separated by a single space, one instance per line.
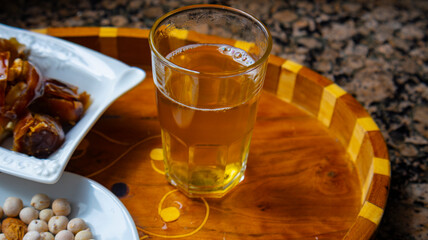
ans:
x=209 y=64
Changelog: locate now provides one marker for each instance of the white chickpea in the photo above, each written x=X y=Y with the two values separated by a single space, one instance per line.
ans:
x=46 y=214
x=12 y=206
x=32 y=235
x=47 y=236
x=38 y=226
x=61 y=207
x=40 y=201
x=84 y=235
x=28 y=214
x=76 y=225
x=2 y=236
x=64 y=235
x=57 y=223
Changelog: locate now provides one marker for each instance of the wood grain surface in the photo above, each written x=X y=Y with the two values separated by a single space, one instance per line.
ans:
x=318 y=166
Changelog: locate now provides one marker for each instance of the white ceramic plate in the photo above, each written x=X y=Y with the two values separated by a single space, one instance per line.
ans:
x=104 y=212
x=104 y=78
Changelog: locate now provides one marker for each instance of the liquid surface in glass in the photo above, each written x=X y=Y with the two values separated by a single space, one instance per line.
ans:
x=207 y=120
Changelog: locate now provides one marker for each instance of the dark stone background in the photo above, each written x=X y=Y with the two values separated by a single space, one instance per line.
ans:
x=375 y=50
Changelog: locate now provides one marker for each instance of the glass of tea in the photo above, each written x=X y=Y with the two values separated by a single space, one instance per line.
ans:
x=209 y=64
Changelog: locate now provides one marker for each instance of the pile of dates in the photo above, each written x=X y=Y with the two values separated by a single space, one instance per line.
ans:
x=34 y=109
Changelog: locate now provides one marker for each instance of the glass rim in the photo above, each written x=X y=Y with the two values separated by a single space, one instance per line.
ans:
x=240 y=71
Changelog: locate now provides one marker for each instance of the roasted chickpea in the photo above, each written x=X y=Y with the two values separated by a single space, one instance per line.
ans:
x=1 y=212
x=47 y=236
x=32 y=235
x=84 y=235
x=61 y=207
x=76 y=225
x=40 y=201
x=38 y=226
x=57 y=223
x=12 y=206
x=28 y=214
x=64 y=235
x=46 y=214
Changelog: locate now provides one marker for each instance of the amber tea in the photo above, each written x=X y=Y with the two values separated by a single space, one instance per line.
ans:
x=207 y=124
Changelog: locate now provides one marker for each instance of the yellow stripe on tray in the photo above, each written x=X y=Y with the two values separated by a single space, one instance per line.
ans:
x=382 y=166
x=287 y=80
x=328 y=100
x=246 y=46
x=371 y=212
x=362 y=126
x=179 y=33
x=108 y=32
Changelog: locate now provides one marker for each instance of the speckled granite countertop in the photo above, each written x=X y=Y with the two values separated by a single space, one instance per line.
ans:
x=376 y=50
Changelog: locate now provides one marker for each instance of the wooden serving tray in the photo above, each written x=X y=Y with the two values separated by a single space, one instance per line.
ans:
x=318 y=167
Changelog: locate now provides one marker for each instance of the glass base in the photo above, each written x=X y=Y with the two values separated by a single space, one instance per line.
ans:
x=219 y=192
